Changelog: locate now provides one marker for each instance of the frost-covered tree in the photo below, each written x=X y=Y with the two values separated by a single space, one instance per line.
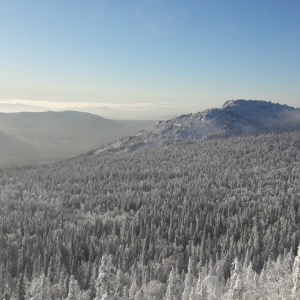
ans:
x=134 y=288
x=250 y=279
x=106 y=281
x=189 y=281
x=136 y=281
x=296 y=276
x=21 y=289
x=45 y=288
x=154 y=289
x=174 y=286
x=236 y=287
x=203 y=294
x=74 y=291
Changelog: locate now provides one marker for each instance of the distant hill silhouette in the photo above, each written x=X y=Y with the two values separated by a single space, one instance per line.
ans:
x=58 y=135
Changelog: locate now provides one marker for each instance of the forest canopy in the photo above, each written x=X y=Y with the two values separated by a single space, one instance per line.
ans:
x=224 y=204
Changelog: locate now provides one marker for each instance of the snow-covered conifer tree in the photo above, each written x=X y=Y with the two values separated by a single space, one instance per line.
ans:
x=133 y=289
x=203 y=293
x=21 y=290
x=45 y=288
x=296 y=276
x=237 y=288
x=2 y=277
x=74 y=292
x=188 y=282
x=106 y=281
x=175 y=286
x=136 y=281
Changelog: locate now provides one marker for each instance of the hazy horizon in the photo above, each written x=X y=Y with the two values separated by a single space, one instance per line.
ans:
x=125 y=111
x=128 y=111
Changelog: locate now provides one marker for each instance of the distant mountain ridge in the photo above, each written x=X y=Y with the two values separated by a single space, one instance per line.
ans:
x=19 y=107
x=48 y=136
x=234 y=118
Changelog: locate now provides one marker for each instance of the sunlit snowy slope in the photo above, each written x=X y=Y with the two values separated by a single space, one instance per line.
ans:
x=235 y=117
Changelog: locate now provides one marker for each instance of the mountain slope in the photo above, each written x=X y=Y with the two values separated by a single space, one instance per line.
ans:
x=235 y=117
x=12 y=149
x=211 y=200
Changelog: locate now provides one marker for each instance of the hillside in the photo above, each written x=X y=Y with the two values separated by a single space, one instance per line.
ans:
x=213 y=201
x=12 y=149
x=234 y=118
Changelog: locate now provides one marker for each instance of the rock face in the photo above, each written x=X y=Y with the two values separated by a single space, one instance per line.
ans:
x=234 y=118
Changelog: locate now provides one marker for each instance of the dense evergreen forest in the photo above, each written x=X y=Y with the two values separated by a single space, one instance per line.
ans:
x=214 y=219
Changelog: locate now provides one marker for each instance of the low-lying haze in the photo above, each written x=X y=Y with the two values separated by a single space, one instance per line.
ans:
x=125 y=111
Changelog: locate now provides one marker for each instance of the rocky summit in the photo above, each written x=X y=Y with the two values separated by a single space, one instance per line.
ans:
x=234 y=118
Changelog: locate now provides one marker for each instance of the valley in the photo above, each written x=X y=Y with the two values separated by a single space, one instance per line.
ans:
x=51 y=136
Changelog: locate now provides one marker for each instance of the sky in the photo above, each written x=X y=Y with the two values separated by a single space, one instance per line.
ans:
x=155 y=54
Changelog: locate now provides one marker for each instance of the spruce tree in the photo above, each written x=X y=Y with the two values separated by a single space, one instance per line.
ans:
x=74 y=291
x=174 y=288
x=106 y=281
x=296 y=276
x=21 y=289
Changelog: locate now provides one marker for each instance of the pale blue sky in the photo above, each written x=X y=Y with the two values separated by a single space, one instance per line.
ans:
x=198 y=53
